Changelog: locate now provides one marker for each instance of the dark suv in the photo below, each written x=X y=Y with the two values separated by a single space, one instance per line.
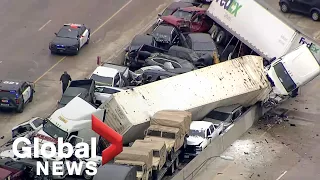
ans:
x=15 y=94
x=307 y=7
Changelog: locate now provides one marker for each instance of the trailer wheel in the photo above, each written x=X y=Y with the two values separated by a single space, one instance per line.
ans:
x=214 y=31
x=220 y=37
x=171 y=154
x=172 y=169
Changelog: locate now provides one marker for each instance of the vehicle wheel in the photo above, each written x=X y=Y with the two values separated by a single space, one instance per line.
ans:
x=176 y=163
x=284 y=7
x=88 y=40
x=315 y=15
x=21 y=107
x=52 y=52
x=86 y=176
x=214 y=31
x=172 y=169
x=77 y=51
x=220 y=37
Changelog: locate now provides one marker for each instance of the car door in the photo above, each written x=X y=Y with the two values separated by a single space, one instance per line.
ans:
x=209 y=136
x=26 y=91
x=83 y=35
x=214 y=133
x=196 y=23
x=297 y=5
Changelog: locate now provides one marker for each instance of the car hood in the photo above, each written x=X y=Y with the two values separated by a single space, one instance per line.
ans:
x=194 y=140
x=45 y=138
x=64 y=41
x=8 y=154
x=169 y=142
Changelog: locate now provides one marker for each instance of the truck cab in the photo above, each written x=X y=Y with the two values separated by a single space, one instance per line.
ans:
x=111 y=75
x=201 y=135
x=292 y=70
x=72 y=127
x=140 y=166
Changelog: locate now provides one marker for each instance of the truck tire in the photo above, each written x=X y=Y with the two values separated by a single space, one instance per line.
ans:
x=221 y=36
x=315 y=15
x=284 y=7
x=224 y=56
x=86 y=176
x=176 y=163
x=171 y=154
x=172 y=169
x=214 y=31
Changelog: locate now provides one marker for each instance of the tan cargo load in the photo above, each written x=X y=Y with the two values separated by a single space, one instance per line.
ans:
x=173 y=118
x=136 y=154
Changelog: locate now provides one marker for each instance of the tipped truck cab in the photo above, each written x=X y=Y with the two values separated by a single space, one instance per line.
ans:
x=293 y=70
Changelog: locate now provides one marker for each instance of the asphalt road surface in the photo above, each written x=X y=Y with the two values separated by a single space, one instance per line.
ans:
x=28 y=26
x=278 y=149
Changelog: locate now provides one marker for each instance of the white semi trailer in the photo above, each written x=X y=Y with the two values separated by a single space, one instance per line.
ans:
x=267 y=34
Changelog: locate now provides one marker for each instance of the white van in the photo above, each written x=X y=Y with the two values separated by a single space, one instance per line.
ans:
x=293 y=70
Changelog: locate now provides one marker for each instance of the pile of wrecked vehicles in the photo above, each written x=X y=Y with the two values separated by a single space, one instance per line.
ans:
x=169 y=100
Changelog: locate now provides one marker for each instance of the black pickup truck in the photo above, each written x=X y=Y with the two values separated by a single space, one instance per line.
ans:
x=81 y=88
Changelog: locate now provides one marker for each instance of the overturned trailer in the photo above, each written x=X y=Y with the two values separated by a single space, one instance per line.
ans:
x=241 y=80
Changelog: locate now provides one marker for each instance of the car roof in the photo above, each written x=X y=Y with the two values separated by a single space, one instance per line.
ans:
x=4 y=173
x=14 y=86
x=179 y=4
x=200 y=125
x=164 y=29
x=105 y=71
x=113 y=171
x=193 y=8
x=200 y=37
x=227 y=109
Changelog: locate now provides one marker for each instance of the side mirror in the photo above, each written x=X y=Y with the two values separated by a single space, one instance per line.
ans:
x=159 y=15
x=56 y=34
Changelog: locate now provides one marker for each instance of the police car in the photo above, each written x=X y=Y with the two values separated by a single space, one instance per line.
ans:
x=70 y=39
x=15 y=94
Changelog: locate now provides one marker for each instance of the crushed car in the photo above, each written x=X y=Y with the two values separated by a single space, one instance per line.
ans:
x=189 y=19
x=166 y=36
x=168 y=62
x=103 y=93
x=135 y=44
x=31 y=125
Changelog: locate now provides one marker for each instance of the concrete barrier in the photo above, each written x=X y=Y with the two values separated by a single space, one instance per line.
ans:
x=220 y=144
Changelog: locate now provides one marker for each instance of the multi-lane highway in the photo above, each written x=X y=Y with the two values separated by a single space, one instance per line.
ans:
x=28 y=26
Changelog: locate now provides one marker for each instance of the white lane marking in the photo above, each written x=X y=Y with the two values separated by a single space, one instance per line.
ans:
x=281 y=175
x=0 y=62
x=44 y=25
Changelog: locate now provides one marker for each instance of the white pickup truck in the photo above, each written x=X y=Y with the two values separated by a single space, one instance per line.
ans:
x=110 y=74
x=201 y=135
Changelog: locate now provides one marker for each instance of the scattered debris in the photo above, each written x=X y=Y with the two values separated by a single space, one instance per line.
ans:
x=258 y=175
x=266 y=140
x=272 y=150
x=317 y=134
x=251 y=175
x=306 y=108
x=1 y=137
x=219 y=173
x=249 y=132
x=246 y=153
x=292 y=124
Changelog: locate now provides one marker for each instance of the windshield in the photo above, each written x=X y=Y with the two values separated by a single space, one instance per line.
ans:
x=183 y=15
x=7 y=94
x=154 y=133
x=138 y=168
x=161 y=37
x=218 y=115
x=106 y=90
x=102 y=80
x=156 y=153
x=204 y=46
x=284 y=77
x=167 y=12
x=68 y=33
x=65 y=99
x=195 y=132
x=168 y=135
x=53 y=131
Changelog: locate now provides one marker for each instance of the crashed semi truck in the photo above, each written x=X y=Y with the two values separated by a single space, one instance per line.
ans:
x=254 y=25
x=200 y=91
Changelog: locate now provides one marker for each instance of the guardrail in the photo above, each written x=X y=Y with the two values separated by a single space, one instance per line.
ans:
x=221 y=143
